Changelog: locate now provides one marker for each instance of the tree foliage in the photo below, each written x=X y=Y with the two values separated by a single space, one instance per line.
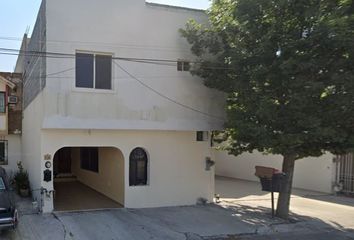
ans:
x=288 y=69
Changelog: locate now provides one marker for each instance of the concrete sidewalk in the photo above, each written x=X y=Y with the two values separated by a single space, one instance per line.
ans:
x=243 y=213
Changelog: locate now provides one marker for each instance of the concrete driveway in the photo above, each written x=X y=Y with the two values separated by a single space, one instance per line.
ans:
x=178 y=223
x=336 y=211
x=243 y=213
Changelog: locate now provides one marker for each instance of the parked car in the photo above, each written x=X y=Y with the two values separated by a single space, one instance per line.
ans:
x=8 y=212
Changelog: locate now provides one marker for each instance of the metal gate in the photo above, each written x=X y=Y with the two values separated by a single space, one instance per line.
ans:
x=345 y=173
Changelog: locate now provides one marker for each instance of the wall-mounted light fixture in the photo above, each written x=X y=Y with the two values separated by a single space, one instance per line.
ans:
x=48 y=164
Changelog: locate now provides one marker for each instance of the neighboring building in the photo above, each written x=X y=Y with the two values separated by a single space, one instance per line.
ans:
x=327 y=174
x=126 y=128
x=10 y=120
x=314 y=173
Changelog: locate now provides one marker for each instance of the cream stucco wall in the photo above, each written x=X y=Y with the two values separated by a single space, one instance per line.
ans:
x=132 y=29
x=310 y=173
x=177 y=174
x=130 y=115
x=110 y=177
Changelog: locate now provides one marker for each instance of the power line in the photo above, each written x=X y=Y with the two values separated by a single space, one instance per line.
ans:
x=50 y=75
x=164 y=96
x=167 y=62
x=60 y=72
x=126 y=45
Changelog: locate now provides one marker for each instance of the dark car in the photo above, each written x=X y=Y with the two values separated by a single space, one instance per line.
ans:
x=8 y=212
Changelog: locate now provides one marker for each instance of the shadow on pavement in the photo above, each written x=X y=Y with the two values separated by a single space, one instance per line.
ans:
x=276 y=228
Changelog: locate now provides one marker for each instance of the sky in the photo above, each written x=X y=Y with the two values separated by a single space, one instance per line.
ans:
x=18 y=15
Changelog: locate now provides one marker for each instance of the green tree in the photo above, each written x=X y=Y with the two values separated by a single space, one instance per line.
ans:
x=287 y=68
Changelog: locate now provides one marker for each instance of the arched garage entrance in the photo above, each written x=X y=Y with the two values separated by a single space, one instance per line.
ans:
x=88 y=178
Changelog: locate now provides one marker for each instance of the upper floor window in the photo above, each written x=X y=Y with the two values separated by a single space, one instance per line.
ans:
x=2 y=102
x=93 y=71
x=3 y=152
x=183 y=65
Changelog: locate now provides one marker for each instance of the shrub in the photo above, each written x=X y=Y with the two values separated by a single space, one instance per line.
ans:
x=21 y=178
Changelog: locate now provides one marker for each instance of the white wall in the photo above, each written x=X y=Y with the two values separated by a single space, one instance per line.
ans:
x=110 y=177
x=177 y=173
x=32 y=158
x=132 y=29
x=310 y=173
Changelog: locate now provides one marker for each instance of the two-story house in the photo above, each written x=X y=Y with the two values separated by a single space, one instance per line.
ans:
x=110 y=105
x=10 y=120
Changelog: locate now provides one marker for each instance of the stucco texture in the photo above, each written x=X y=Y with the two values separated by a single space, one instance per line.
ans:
x=176 y=165
x=110 y=177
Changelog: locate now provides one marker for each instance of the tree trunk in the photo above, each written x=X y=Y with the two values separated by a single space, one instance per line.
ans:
x=285 y=194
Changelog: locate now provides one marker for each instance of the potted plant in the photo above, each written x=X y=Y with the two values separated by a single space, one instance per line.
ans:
x=21 y=181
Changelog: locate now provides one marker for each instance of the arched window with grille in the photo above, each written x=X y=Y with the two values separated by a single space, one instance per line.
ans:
x=138 y=164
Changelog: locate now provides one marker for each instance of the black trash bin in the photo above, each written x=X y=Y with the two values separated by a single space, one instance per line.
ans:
x=272 y=180
x=278 y=182
x=266 y=184
x=274 y=184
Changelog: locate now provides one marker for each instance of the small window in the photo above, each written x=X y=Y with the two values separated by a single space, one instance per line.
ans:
x=93 y=71
x=138 y=163
x=89 y=158
x=2 y=102
x=183 y=66
x=202 y=136
x=3 y=153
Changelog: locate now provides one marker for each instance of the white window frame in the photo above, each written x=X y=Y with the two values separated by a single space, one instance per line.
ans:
x=94 y=90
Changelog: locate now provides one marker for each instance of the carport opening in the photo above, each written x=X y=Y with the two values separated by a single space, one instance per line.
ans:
x=87 y=178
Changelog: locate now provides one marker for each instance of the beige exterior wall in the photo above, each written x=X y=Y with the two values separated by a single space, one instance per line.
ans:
x=110 y=177
x=310 y=173
x=130 y=115
x=176 y=173
x=13 y=153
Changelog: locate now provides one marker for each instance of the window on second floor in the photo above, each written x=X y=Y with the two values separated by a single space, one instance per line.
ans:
x=183 y=65
x=2 y=102
x=93 y=71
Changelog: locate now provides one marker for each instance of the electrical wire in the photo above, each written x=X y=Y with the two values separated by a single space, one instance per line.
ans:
x=50 y=75
x=164 y=96
x=130 y=46
x=167 y=62
x=60 y=72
